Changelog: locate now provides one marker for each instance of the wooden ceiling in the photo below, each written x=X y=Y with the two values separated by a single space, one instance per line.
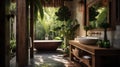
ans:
x=52 y=3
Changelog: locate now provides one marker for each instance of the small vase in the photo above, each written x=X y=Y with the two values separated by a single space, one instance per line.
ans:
x=46 y=38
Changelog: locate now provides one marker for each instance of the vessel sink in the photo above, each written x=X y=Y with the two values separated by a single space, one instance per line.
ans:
x=88 y=40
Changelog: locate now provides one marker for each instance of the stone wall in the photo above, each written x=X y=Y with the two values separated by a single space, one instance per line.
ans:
x=116 y=37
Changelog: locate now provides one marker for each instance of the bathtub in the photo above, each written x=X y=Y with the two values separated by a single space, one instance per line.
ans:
x=47 y=45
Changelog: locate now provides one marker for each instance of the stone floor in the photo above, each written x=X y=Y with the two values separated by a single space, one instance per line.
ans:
x=50 y=59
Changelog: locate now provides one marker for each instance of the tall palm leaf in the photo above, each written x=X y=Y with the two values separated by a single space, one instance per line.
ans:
x=38 y=7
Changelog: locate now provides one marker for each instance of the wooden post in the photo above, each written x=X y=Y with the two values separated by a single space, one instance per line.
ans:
x=31 y=28
x=4 y=34
x=22 y=34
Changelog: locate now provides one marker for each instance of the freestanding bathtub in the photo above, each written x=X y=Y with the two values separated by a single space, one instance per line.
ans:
x=47 y=45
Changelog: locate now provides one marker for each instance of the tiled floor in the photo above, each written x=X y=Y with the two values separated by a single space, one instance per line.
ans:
x=50 y=59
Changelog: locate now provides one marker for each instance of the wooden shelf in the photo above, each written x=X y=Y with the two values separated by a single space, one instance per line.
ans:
x=99 y=57
x=83 y=60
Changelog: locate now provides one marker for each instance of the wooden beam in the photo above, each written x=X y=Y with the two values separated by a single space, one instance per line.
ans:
x=31 y=28
x=4 y=34
x=22 y=34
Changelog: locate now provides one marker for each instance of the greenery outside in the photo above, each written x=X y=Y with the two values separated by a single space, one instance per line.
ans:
x=12 y=14
x=97 y=15
x=54 y=28
x=45 y=27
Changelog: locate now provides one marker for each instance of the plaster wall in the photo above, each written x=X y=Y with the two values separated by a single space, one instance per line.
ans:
x=76 y=14
x=116 y=37
x=113 y=36
x=79 y=15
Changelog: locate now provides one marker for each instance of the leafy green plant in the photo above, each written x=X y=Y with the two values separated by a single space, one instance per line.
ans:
x=104 y=43
x=13 y=8
x=57 y=38
x=13 y=45
x=92 y=13
x=12 y=48
x=63 y=13
x=102 y=16
x=68 y=26
x=37 y=8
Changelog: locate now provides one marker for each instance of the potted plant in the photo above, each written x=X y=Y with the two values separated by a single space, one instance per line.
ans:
x=68 y=26
x=105 y=43
x=63 y=14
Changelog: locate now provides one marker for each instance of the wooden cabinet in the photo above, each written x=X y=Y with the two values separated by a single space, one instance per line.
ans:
x=94 y=56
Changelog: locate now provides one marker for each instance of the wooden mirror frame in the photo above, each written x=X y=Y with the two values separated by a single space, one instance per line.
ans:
x=89 y=3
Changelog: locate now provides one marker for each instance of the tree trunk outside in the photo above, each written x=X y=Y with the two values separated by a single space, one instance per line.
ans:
x=65 y=42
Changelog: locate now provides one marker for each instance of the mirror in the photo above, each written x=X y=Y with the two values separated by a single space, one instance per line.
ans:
x=97 y=13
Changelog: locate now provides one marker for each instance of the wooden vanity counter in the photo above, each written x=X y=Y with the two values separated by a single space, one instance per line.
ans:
x=100 y=57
